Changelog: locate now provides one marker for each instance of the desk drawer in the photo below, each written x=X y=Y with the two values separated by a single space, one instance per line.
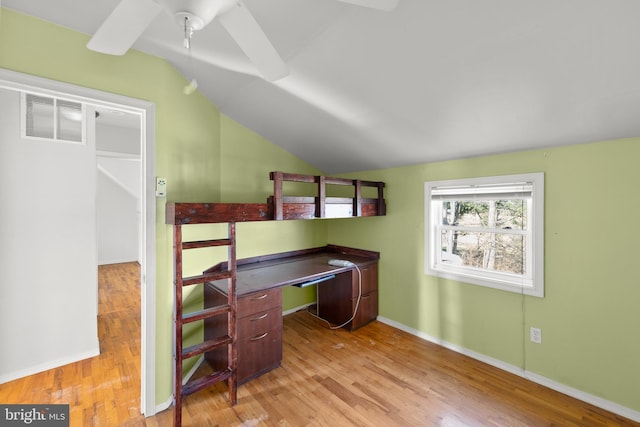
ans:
x=259 y=301
x=259 y=353
x=257 y=324
x=369 y=280
x=367 y=310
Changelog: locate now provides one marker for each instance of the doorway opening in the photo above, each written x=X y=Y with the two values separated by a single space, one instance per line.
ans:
x=144 y=112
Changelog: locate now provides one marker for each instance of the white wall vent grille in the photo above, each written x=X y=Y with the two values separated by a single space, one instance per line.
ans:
x=52 y=119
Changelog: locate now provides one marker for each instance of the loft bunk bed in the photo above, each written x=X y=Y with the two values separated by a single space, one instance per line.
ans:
x=278 y=207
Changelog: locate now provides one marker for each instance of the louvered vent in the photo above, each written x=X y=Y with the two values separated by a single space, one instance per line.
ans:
x=52 y=118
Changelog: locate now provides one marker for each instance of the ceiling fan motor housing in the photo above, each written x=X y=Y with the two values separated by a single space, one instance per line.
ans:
x=199 y=13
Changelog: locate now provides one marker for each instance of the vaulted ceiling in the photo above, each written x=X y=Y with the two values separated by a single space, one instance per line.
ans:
x=430 y=80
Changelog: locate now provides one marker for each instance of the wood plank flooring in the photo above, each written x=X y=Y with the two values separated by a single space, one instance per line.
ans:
x=376 y=376
x=103 y=390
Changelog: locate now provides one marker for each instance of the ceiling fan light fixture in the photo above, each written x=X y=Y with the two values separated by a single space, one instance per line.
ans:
x=126 y=23
x=194 y=22
x=199 y=12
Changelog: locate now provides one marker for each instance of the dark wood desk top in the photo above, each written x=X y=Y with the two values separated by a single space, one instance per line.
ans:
x=291 y=268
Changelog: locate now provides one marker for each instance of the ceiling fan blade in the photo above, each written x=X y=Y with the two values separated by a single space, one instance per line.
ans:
x=123 y=26
x=374 y=4
x=245 y=30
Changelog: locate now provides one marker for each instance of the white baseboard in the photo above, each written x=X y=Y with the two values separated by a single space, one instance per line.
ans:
x=193 y=370
x=167 y=403
x=52 y=364
x=164 y=405
x=608 y=405
x=531 y=376
x=293 y=310
x=117 y=261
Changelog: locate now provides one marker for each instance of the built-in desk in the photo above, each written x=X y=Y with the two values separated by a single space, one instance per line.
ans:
x=259 y=286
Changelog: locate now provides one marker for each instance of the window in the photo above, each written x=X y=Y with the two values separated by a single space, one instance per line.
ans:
x=487 y=231
x=52 y=118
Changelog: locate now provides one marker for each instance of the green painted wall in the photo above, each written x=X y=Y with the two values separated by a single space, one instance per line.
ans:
x=198 y=150
x=589 y=316
x=247 y=160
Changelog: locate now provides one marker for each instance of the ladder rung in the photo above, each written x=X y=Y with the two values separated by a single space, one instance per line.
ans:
x=206 y=346
x=207 y=277
x=206 y=243
x=206 y=313
x=200 y=383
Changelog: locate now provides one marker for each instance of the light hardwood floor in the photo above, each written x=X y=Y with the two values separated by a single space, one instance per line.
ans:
x=375 y=376
x=103 y=390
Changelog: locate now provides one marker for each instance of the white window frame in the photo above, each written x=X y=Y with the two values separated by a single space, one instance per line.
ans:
x=532 y=282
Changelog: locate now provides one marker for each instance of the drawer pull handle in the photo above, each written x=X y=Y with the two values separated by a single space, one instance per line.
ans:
x=263 y=296
x=259 y=337
x=259 y=317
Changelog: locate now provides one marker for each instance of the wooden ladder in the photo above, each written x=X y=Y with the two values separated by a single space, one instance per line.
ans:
x=180 y=319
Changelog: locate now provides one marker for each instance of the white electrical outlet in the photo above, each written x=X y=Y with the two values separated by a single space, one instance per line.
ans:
x=535 y=335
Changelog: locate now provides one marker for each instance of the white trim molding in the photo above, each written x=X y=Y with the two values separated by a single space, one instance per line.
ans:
x=5 y=378
x=164 y=405
x=293 y=310
x=147 y=110
x=607 y=405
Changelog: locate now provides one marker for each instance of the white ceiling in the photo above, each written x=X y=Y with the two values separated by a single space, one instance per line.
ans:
x=429 y=81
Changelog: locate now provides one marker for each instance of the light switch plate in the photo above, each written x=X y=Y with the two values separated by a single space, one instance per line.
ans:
x=161 y=187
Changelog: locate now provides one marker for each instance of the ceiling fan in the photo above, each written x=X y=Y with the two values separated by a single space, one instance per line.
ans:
x=130 y=19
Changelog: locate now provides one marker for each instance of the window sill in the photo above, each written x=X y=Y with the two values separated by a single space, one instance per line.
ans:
x=515 y=286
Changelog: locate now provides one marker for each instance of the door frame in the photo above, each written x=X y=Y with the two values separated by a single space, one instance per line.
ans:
x=28 y=83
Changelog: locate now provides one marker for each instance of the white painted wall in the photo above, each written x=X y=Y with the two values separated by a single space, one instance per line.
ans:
x=118 y=133
x=119 y=184
x=118 y=207
x=48 y=256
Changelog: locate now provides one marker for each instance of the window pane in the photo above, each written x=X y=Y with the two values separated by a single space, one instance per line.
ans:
x=487 y=251
x=39 y=116
x=507 y=214
x=69 y=121
x=487 y=231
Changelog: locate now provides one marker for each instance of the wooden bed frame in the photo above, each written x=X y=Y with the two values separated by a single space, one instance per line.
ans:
x=277 y=208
